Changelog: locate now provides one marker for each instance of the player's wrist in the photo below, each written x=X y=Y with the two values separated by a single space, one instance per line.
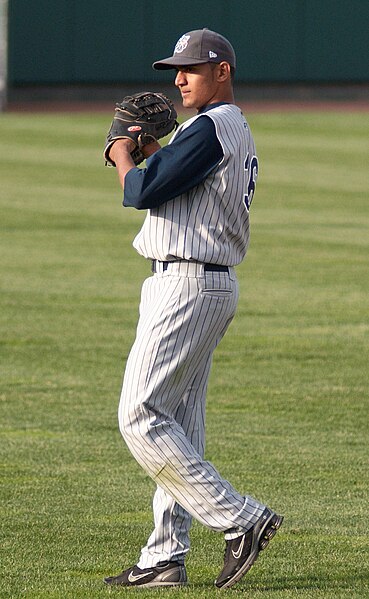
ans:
x=125 y=143
x=121 y=146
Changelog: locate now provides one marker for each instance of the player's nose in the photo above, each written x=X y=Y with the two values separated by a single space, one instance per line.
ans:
x=180 y=78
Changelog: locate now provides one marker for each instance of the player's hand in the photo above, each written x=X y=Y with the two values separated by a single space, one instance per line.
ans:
x=150 y=149
x=143 y=117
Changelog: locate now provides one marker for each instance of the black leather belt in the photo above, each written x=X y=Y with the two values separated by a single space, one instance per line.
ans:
x=207 y=267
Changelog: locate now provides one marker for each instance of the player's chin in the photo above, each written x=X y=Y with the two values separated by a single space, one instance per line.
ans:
x=186 y=101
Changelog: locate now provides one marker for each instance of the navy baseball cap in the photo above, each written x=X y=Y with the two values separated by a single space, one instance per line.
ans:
x=198 y=47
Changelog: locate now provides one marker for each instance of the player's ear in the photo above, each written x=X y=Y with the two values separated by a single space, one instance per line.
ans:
x=224 y=71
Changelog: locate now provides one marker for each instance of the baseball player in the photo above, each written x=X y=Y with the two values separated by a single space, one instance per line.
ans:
x=197 y=191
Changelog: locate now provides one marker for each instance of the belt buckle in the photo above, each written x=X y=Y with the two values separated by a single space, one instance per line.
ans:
x=158 y=267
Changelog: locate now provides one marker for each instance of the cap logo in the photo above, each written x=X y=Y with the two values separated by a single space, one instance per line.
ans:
x=181 y=44
x=212 y=54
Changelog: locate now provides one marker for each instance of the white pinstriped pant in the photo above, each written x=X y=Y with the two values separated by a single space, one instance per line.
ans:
x=184 y=313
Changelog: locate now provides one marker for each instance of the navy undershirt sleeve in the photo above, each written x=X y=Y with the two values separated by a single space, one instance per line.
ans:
x=176 y=168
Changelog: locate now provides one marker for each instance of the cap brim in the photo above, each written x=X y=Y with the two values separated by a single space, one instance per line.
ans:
x=176 y=61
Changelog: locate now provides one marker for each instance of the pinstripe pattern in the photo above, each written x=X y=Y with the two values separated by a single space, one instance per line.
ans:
x=170 y=537
x=211 y=222
x=184 y=313
x=161 y=412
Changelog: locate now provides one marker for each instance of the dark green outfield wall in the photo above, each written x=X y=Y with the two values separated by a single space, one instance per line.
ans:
x=92 y=41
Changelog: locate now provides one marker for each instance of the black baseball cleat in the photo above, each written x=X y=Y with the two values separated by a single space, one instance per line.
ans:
x=170 y=574
x=241 y=553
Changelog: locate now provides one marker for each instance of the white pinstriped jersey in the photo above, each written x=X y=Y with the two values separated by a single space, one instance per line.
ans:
x=209 y=223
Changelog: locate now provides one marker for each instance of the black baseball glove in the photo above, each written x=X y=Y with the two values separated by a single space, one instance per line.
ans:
x=144 y=117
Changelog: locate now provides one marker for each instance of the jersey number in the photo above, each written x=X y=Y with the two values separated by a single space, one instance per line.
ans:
x=251 y=168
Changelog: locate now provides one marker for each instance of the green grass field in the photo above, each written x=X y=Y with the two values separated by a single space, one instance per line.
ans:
x=288 y=398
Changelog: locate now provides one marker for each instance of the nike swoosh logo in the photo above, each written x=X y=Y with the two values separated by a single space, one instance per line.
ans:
x=237 y=554
x=134 y=578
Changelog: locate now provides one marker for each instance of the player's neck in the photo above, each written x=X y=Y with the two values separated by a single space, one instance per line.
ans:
x=225 y=94
x=221 y=99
